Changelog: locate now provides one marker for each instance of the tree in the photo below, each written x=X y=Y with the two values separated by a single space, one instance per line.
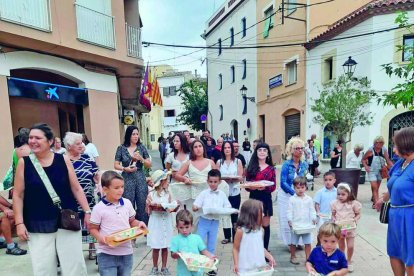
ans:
x=343 y=105
x=194 y=100
x=403 y=93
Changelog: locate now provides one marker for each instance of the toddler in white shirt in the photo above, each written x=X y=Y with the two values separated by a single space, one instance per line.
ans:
x=301 y=212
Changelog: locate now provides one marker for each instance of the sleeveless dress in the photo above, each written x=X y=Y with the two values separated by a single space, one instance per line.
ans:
x=160 y=224
x=251 y=252
x=400 y=238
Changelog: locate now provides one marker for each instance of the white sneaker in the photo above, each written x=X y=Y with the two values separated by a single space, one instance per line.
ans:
x=165 y=272
x=351 y=268
x=154 y=271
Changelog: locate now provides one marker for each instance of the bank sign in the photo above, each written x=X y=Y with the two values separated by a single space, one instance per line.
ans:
x=275 y=81
x=47 y=91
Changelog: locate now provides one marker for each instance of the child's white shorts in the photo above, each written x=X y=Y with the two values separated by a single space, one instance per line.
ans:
x=306 y=238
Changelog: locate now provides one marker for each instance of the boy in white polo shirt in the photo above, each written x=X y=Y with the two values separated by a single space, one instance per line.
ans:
x=114 y=213
x=211 y=198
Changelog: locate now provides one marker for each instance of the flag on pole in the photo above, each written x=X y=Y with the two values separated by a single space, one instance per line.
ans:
x=149 y=83
x=156 y=95
x=142 y=98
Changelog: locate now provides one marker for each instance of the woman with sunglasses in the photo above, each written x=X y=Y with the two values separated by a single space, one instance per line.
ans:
x=294 y=166
x=261 y=168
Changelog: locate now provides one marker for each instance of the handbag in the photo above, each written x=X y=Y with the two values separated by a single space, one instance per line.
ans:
x=384 y=172
x=69 y=219
x=385 y=211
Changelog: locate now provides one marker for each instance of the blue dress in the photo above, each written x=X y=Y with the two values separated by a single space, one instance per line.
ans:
x=400 y=238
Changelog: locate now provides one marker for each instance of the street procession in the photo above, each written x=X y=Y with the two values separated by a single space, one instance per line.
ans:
x=210 y=137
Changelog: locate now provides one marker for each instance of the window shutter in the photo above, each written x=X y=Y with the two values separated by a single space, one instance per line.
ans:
x=292 y=126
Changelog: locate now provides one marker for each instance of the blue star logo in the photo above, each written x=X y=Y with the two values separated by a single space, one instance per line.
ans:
x=51 y=92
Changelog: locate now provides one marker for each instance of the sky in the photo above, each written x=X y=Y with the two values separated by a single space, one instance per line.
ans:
x=176 y=22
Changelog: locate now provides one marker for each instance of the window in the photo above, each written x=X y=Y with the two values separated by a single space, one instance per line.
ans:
x=268 y=14
x=220 y=81
x=231 y=37
x=244 y=68
x=221 y=112
x=291 y=68
x=327 y=70
x=169 y=91
x=232 y=74
x=219 y=46
x=152 y=137
x=408 y=42
x=169 y=113
x=243 y=23
x=291 y=6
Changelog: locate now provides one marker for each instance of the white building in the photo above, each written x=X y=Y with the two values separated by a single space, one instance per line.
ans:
x=229 y=70
x=325 y=60
x=169 y=82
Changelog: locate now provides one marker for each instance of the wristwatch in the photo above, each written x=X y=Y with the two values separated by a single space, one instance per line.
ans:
x=88 y=212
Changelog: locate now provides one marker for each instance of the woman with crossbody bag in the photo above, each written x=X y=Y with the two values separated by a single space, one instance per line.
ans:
x=45 y=195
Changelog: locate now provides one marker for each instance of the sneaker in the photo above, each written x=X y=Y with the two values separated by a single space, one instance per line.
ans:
x=165 y=272
x=16 y=251
x=351 y=268
x=212 y=273
x=154 y=271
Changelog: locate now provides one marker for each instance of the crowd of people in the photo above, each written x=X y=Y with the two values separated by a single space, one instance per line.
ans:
x=200 y=188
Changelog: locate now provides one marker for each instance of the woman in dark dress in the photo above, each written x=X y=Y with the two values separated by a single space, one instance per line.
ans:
x=336 y=155
x=261 y=168
x=131 y=157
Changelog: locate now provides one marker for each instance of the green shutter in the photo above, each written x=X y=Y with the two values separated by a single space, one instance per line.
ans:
x=267 y=27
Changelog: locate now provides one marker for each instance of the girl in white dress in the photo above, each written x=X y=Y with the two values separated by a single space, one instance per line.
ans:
x=248 y=249
x=160 y=224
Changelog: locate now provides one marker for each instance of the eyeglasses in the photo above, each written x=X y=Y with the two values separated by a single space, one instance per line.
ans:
x=299 y=148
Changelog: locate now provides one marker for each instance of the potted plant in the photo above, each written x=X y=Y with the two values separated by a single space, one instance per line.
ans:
x=343 y=105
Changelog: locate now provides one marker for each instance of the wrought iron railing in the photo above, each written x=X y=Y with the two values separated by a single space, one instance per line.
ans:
x=133 y=37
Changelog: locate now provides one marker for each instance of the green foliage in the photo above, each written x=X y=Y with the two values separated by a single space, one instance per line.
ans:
x=194 y=101
x=403 y=93
x=343 y=105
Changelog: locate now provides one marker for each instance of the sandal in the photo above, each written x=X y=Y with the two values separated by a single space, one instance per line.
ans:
x=16 y=251
x=294 y=261
x=92 y=254
x=225 y=241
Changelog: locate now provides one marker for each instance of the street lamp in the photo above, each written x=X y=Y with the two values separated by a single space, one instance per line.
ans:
x=349 y=66
x=243 y=91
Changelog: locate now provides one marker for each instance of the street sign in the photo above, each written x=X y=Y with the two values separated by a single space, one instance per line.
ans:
x=275 y=81
x=203 y=118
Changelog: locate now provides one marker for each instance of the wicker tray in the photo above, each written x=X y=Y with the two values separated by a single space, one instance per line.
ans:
x=257 y=184
x=124 y=236
x=198 y=263
x=347 y=224
x=262 y=271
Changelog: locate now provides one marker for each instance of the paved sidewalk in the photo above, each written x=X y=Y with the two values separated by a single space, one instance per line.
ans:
x=370 y=256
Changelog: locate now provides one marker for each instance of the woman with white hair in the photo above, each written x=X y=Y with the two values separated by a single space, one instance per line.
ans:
x=86 y=171
x=354 y=157
x=374 y=160
x=294 y=166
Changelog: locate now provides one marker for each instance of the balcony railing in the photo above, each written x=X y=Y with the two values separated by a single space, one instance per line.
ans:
x=31 y=13
x=133 y=37
x=95 y=27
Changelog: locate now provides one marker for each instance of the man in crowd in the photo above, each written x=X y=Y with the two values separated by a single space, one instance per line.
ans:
x=216 y=155
x=159 y=140
x=238 y=155
x=317 y=146
x=206 y=136
x=162 y=148
x=187 y=136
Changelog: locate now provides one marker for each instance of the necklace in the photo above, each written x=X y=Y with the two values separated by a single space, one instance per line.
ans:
x=405 y=164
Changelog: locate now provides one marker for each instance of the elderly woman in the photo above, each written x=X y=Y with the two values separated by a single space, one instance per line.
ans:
x=400 y=238
x=354 y=157
x=57 y=146
x=374 y=159
x=131 y=157
x=35 y=214
x=294 y=166
x=87 y=173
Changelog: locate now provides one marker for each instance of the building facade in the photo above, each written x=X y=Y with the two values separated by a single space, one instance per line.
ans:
x=370 y=52
x=281 y=73
x=231 y=66
x=75 y=65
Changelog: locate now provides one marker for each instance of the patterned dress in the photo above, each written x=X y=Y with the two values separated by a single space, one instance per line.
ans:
x=85 y=170
x=136 y=188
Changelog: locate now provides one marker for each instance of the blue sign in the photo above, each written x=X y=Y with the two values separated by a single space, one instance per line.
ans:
x=46 y=91
x=203 y=118
x=276 y=81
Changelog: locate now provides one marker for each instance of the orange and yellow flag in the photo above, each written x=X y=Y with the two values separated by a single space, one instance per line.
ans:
x=155 y=93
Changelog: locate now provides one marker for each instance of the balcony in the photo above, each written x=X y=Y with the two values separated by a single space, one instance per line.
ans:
x=133 y=37
x=95 y=27
x=30 y=13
